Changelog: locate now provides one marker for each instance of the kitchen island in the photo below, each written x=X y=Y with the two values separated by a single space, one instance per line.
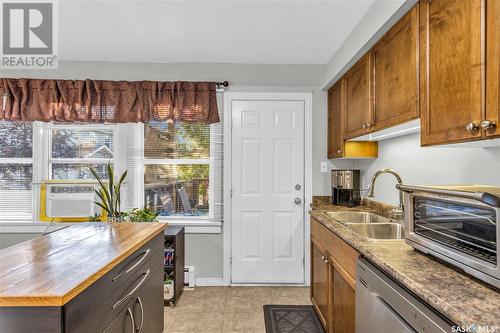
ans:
x=457 y=296
x=90 y=277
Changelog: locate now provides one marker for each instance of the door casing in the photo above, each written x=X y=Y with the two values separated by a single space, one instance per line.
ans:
x=229 y=97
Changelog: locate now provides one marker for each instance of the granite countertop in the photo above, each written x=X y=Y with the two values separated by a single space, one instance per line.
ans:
x=458 y=297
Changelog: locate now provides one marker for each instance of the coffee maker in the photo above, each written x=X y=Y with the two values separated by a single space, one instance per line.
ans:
x=346 y=188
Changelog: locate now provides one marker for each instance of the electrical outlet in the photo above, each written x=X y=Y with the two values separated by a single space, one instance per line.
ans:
x=324 y=166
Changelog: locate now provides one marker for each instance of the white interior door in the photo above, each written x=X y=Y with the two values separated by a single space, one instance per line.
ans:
x=267 y=237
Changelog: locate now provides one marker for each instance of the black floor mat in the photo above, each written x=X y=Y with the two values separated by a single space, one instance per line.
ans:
x=291 y=318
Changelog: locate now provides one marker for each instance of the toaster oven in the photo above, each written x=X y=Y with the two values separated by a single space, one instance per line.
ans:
x=457 y=224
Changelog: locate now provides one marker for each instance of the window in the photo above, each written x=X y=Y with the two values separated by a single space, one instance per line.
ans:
x=177 y=168
x=75 y=148
x=16 y=170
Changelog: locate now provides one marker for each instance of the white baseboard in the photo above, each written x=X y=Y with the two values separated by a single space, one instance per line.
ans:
x=210 y=282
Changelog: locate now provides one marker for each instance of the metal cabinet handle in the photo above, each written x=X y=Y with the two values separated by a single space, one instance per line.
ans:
x=471 y=127
x=131 y=268
x=488 y=124
x=133 y=290
x=322 y=258
x=131 y=319
x=139 y=329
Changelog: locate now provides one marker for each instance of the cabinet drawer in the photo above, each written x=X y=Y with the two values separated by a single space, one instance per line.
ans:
x=338 y=249
x=144 y=312
x=94 y=309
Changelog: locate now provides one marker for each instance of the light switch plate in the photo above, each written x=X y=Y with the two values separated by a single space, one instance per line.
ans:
x=324 y=167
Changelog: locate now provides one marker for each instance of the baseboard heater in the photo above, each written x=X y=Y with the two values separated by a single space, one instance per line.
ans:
x=189 y=279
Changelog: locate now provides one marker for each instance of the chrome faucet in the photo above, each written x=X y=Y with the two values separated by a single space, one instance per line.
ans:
x=398 y=211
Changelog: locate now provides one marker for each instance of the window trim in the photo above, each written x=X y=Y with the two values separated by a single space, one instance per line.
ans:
x=134 y=161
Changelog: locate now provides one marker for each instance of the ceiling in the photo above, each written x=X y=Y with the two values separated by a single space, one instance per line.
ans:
x=230 y=31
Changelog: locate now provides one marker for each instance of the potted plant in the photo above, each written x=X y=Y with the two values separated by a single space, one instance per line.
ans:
x=109 y=194
x=143 y=215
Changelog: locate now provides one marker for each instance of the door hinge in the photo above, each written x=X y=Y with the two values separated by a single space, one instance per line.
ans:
x=231 y=259
x=231 y=192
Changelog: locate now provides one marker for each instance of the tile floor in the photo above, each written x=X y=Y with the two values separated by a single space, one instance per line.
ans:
x=228 y=309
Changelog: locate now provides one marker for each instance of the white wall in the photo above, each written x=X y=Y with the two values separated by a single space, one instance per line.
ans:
x=429 y=166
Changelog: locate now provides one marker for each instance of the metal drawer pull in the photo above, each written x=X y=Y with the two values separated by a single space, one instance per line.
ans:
x=139 y=329
x=131 y=268
x=133 y=290
x=131 y=319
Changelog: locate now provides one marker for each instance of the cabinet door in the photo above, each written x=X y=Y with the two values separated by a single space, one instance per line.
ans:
x=320 y=288
x=148 y=305
x=357 y=112
x=493 y=66
x=124 y=322
x=343 y=298
x=395 y=79
x=335 y=128
x=451 y=66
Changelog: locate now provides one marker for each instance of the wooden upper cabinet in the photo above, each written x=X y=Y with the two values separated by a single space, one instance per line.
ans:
x=335 y=132
x=357 y=114
x=395 y=77
x=451 y=70
x=492 y=68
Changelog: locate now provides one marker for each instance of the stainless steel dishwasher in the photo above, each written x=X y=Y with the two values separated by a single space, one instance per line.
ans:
x=383 y=306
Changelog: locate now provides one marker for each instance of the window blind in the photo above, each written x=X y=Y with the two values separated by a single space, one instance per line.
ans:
x=16 y=170
x=183 y=168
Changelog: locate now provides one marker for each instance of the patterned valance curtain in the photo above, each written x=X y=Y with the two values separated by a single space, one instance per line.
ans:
x=96 y=101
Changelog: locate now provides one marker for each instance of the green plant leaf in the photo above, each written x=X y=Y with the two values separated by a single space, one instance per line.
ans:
x=102 y=184
x=111 y=180
x=103 y=207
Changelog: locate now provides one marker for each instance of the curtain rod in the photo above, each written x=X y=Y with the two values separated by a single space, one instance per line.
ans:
x=224 y=84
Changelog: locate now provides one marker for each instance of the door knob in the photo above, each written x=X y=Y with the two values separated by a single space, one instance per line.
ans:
x=487 y=124
x=297 y=201
x=472 y=126
x=298 y=187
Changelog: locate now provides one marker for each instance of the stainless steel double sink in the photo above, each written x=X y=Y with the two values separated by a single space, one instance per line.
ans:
x=369 y=225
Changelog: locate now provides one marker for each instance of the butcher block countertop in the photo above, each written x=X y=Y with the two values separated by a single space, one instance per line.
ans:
x=52 y=269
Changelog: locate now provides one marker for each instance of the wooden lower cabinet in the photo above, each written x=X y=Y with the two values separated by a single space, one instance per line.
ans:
x=320 y=277
x=343 y=297
x=332 y=280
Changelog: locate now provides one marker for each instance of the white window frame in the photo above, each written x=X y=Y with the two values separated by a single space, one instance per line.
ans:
x=134 y=161
x=50 y=160
x=153 y=161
